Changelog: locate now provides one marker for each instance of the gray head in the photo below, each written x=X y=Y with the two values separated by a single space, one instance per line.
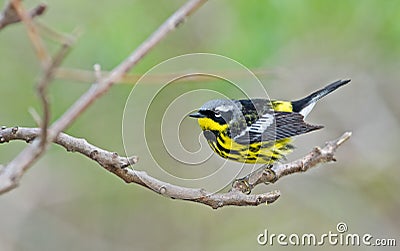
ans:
x=220 y=110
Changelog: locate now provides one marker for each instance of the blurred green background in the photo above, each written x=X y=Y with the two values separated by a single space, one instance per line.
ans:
x=66 y=202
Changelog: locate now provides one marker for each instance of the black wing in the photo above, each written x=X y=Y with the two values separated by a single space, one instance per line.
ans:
x=289 y=124
x=278 y=125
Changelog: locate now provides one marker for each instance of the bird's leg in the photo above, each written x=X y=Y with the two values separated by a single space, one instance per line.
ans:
x=264 y=174
x=268 y=176
x=242 y=184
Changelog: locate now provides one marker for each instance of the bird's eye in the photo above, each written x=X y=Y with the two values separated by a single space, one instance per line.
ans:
x=217 y=115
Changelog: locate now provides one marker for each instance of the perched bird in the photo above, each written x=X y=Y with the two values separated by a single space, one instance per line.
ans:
x=257 y=130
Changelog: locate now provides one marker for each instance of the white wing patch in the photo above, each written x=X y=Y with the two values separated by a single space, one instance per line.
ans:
x=262 y=123
x=306 y=110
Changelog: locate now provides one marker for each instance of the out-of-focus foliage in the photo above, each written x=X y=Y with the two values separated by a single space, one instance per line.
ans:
x=66 y=202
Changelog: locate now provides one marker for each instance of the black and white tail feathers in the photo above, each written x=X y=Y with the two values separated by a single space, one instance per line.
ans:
x=305 y=105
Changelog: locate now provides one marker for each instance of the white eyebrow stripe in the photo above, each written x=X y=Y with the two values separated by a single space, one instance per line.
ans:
x=224 y=108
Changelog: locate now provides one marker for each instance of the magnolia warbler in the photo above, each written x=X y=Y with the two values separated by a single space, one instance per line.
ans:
x=257 y=130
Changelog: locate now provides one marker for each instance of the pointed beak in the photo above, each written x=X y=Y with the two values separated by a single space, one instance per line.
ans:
x=196 y=115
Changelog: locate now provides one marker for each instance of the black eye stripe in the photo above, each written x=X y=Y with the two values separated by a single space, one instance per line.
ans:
x=207 y=113
x=218 y=116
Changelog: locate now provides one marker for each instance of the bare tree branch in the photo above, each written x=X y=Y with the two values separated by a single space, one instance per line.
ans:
x=9 y=16
x=11 y=173
x=116 y=165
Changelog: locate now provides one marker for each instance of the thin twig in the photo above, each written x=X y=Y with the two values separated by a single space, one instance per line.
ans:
x=87 y=76
x=9 y=16
x=97 y=72
x=49 y=64
x=35 y=116
x=49 y=32
x=42 y=87
x=116 y=164
x=37 y=42
x=11 y=173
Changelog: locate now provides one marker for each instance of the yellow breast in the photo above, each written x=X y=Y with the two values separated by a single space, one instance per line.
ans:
x=209 y=124
x=259 y=152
